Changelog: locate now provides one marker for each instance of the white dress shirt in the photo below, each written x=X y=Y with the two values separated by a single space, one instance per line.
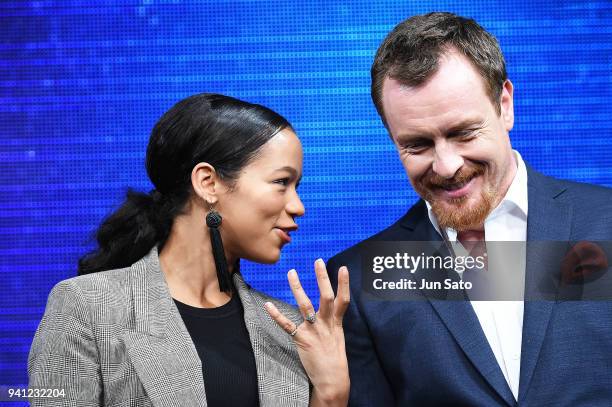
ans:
x=502 y=321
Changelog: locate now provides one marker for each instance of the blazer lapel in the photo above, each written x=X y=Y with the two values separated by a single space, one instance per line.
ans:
x=160 y=348
x=281 y=378
x=549 y=219
x=461 y=320
x=458 y=315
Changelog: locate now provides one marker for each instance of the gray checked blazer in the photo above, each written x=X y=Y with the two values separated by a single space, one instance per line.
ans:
x=115 y=338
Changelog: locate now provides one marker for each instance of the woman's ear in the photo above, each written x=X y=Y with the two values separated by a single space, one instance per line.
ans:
x=205 y=182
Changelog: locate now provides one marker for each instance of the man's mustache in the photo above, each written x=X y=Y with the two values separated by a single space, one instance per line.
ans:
x=463 y=176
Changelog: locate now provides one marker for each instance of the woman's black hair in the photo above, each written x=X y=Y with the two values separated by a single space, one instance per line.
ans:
x=223 y=131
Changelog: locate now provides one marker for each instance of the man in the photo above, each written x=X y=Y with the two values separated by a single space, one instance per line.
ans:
x=440 y=86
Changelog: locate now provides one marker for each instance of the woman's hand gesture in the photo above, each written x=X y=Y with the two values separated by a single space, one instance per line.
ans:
x=320 y=338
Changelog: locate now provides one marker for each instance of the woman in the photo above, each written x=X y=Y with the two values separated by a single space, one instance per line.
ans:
x=171 y=322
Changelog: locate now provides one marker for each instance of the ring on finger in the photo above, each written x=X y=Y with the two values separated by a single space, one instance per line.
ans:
x=312 y=318
x=292 y=333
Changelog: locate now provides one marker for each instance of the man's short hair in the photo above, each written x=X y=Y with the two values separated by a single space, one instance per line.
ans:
x=410 y=53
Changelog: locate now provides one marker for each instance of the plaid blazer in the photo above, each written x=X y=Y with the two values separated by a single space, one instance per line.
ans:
x=115 y=338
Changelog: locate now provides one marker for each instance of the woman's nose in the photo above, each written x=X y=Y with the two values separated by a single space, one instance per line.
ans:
x=295 y=207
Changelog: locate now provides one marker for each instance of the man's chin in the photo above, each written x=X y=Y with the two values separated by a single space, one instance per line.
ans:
x=461 y=214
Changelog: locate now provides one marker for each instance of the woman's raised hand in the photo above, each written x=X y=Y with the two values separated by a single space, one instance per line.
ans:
x=320 y=338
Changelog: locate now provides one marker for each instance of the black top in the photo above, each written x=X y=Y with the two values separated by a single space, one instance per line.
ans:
x=222 y=341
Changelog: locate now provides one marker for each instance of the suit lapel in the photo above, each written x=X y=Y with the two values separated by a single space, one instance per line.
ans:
x=461 y=320
x=549 y=219
x=160 y=348
x=458 y=315
x=281 y=378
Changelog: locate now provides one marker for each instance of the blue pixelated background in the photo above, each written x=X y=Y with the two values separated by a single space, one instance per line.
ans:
x=83 y=82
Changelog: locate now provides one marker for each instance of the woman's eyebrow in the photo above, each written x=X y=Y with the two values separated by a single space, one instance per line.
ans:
x=288 y=168
x=292 y=171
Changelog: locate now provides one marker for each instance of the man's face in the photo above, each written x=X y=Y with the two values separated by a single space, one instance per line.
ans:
x=452 y=142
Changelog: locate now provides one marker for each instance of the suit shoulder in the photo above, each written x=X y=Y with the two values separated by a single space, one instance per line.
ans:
x=586 y=199
x=566 y=190
x=592 y=210
x=396 y=231
x=590 y=205
x=90 y=287
x=583 y=191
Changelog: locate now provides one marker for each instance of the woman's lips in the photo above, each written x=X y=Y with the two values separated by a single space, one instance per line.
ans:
x=283 y=235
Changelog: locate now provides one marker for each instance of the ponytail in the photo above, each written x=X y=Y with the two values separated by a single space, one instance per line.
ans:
x=128 y=234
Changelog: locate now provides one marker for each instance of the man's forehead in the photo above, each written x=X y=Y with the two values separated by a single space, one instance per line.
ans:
x=406 y=101
x=454 y=72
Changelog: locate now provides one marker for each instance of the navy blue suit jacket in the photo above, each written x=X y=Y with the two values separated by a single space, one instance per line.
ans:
x=434 y=353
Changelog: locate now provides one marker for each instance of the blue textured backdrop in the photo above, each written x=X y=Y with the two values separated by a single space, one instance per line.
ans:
x=82 y=83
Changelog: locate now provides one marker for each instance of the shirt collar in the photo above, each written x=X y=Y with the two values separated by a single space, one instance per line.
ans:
x=515 y=200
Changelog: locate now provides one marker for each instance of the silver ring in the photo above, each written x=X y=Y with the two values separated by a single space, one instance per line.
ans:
x=312 y=318
x=294 y=331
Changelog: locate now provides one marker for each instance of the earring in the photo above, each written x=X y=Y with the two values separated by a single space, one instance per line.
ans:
x=213 y=221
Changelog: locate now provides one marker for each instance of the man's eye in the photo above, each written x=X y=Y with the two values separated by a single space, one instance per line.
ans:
x=466 y=135
x=415 y=147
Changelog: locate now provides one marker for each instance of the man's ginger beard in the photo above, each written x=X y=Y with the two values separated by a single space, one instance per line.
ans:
x=454 y=212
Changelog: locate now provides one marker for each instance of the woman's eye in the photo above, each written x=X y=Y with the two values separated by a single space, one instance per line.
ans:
x=282 y=181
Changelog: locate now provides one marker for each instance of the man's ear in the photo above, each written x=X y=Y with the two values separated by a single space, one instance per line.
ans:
x=507 y=105
x=205 y=182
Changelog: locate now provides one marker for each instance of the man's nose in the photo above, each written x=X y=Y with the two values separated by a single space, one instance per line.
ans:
x=446 y=160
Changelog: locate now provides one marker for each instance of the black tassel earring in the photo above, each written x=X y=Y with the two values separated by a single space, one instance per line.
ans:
x=213 y=221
